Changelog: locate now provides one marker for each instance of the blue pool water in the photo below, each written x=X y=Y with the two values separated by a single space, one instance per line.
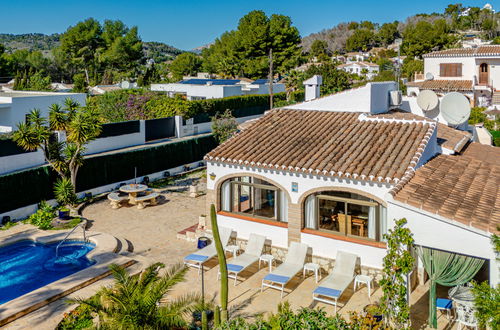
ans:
x=26 y=265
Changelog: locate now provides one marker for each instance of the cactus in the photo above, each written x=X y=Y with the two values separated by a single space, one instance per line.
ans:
x=204 y=320
x=222 y=264
x=217 y=317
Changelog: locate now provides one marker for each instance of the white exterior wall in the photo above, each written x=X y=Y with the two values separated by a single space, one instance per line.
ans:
x=22 y=105
x=327 y=248
x=25 y=211
x=470 y=68
x=321 y=246
x=202 y=91
x=306 y=182
x=372 y=98
x=243 y=228
x=118 y=142
x=432 y=65
x=433 y=231
x=21 y=161
x=494 y=73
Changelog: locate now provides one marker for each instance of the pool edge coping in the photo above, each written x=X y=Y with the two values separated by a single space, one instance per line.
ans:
x=103 y=255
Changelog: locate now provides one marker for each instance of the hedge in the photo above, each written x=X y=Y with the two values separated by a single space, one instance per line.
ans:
x=8 y=148
x=31 y=186
x=120 y=128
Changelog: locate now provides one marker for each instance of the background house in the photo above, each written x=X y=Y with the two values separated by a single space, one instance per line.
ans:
x=365 y=69
x=475 y=72
x=14 y=106
x=200 y=88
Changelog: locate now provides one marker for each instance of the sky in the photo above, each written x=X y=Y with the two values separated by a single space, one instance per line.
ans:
x=187 y=24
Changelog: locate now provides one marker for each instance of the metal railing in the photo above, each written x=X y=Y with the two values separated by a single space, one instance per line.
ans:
x=83 y=225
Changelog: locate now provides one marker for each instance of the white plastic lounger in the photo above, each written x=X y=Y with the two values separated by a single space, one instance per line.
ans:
x=294 y=263
x=330 y=290
x=252 y=254
x=198 y=258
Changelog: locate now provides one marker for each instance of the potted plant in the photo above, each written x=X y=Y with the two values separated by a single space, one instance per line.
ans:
x=64 y=213
x=374 y=310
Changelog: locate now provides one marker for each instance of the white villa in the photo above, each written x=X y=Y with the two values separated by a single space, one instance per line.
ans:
x=475 y=72
x=366 y=69
x=335 y=172
x=14 y=106
x=203 y=88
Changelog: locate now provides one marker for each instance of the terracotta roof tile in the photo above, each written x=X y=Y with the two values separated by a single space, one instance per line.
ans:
x=337 y=144
x=448 y=137
x=443 y=85
x=485 y=50
x=459 y=188
x=483 y=152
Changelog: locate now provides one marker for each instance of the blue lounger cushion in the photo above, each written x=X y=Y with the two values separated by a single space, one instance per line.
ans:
x=327 y=292
x=195 y=257
x=276 y=278
x=444 y=303
x=234 y=268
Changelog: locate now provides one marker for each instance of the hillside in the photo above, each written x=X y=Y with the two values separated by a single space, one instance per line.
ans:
x=158 y=51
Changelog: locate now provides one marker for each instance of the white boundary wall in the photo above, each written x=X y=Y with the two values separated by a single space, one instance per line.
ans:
x=25 y=211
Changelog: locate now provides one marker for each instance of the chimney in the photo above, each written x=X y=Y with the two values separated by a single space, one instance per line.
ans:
x=312 y=87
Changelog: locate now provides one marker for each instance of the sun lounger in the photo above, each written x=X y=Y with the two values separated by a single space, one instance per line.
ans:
x=294 y=263
x=251 y=255
x=330 y=290
x=198 y=258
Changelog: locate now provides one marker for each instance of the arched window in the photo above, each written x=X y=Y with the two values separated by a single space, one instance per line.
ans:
x=253 y=197
x=345 y=213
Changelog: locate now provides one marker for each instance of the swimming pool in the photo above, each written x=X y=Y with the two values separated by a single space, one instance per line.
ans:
x=27 y=265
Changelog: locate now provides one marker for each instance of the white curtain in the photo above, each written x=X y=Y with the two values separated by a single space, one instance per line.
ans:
x=383 y=221
x=372 y=222
x=283 y=207
x=311 y=221
x=257 y=197
x=226 y=196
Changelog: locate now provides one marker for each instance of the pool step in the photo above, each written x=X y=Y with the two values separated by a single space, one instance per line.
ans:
x=123 y=245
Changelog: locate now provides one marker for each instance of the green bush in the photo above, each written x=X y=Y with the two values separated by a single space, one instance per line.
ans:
x=79 y=318
x=304 y=318
x=43 y=217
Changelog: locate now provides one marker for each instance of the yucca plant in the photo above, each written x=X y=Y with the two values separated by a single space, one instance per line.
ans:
x=142 y=302
x=64 y=192
x=81 y=126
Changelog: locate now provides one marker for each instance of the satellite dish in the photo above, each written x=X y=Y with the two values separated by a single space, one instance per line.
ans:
x=429 y=76
x=455 y=108
x=125 y=84
x=427 y=100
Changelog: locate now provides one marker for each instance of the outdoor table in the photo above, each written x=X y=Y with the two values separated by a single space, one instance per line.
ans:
x=132 y=190
x=461 y=293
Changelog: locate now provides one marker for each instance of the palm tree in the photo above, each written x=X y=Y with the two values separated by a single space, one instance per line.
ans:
x=141 y=302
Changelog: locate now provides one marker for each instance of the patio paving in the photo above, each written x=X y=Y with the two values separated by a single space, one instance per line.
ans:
x=152 y=232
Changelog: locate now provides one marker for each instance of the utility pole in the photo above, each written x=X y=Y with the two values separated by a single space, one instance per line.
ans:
x=271 y=76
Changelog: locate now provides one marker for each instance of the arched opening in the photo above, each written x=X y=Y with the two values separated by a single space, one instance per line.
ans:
x=253 y=197
x=483 y=74
x=345 y=213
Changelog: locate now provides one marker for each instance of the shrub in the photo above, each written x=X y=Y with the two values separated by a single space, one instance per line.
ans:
x=42 y=218
x=304 y=318
x=223 y=126
x=79 y=318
